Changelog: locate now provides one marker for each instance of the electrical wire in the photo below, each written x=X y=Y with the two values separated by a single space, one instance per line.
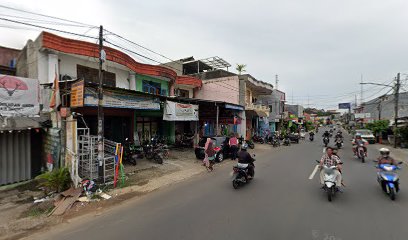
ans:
x=48 y=28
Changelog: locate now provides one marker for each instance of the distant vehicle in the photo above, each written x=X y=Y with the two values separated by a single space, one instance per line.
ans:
x=221 y=147
x=302 y=133
x=294 y=137
x=366 y=135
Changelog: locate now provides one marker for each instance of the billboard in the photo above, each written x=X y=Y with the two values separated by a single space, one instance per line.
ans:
x=344 y=105
x=77 y=94
x=19 y=96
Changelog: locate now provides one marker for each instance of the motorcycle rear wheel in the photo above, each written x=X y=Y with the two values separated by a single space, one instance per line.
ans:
x=235 y=184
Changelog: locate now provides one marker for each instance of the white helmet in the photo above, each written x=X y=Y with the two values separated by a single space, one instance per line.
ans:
x=384 y=151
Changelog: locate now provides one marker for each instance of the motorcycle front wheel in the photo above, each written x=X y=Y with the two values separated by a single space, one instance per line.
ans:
x=159 y=158
x=329 y=195
x=235 y=184
x=392 y=194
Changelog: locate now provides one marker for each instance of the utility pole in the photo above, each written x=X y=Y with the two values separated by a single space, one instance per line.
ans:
x=355 y=109
x=276 y=81
x=361 y=91
x=396 y=98
x=100 y=109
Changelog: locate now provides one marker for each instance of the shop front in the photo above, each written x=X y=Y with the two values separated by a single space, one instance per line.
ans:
x=127 y=113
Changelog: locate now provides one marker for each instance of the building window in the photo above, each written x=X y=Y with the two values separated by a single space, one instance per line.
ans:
x=183 y=93
x=153 y=88
x=92 y=75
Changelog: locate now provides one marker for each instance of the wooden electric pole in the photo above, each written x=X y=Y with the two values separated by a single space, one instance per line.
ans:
x=100 y=109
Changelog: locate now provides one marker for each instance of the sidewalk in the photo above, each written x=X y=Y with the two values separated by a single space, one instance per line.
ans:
x=399 y=154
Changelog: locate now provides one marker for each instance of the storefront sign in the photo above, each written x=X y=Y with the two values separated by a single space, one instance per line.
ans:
x=19 y=96
x=180 y=112
x=77 y=94
x=362 y=115
x=121 y=100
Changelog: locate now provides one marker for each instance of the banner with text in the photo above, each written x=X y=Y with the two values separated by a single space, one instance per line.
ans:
x=19 y=96
x=180 y=112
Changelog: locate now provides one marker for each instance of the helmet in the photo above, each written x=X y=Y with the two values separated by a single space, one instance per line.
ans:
x=244 y=146
x=358 y=135
x=384 y=151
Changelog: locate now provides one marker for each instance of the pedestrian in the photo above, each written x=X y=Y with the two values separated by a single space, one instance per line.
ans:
x=233 y=142
x=209 y=154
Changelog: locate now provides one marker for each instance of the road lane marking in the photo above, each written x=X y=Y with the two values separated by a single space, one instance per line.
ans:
x=314 y=172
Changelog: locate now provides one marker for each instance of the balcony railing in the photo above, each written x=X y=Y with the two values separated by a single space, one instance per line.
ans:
x=257 y=106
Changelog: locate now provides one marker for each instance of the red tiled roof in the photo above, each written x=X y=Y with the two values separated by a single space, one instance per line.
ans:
x=83 y=48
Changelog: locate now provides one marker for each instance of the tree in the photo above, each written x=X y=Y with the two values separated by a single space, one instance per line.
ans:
x=378 y=126
x=241 y=68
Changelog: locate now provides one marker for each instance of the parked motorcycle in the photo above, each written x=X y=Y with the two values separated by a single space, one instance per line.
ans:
x=258 y=139
x=329 y=179
x=286 y=141
x=275 y=142
x=130 y=152
x=240 y=174
x=153 y=151
x=360 y=151
x=326 y=141
x=389 y=179
x=311 y=136
x=250 y=143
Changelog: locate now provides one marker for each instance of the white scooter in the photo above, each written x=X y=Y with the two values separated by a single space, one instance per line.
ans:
x=329 y=179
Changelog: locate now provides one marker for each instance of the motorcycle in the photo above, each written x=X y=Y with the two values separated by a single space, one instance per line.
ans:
x=240 y=174
x=389 y=179
x=326 y=141
x=311 y=137
x=131 y=153
x=275 y=142
x=339 y=143
x=250 y=143
x=360 y=151
x=258 y=139
x=329 y=179
x=153 y=151
x=286 y=141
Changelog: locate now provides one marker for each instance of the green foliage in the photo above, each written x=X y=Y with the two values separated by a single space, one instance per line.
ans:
x=403 y=133
x=378 y=126
x=241 y=68
x=57 y=180
x=309 y=126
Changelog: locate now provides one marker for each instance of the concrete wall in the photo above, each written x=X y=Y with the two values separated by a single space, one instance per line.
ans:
x=387 y=107
x=68 y=65
x=220 y=89
x=8 y=54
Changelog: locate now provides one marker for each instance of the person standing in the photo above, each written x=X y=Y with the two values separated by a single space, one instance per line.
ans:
x=209 y=154
x=233 y=142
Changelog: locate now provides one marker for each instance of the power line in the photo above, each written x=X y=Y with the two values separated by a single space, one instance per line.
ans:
x=48 y=28
x=48 y=16
x=43 y=21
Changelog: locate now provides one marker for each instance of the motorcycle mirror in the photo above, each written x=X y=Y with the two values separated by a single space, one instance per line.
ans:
x=400 y=162
x=317 y=161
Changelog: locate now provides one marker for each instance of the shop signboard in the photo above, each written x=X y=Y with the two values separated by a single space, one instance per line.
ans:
x=113 y=99
x=77 y=94
x=180 y=112
x=19 y=96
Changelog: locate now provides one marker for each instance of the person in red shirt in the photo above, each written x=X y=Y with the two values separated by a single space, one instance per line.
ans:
x=233 y=142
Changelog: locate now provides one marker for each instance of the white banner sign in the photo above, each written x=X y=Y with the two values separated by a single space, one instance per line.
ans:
x=19 y=96
x=180 y=112
x=362 y=115
x=121 y=100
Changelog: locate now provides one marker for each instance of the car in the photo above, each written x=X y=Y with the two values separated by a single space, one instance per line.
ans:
x=366 y=135
x=221 y=147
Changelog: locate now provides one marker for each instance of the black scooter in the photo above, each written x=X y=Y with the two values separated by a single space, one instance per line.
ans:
x=240 y=174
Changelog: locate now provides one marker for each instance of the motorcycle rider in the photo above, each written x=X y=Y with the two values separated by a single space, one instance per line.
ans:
x=245 y=158
x=329 y=159
x=385 y=158
x=326 y=134
x=355 y=141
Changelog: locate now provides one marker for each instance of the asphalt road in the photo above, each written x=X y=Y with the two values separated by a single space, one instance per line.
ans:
x=280 y=203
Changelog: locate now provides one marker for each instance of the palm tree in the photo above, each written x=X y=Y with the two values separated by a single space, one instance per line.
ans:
x=241 y=68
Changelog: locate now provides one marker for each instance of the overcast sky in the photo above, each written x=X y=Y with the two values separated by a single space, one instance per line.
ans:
x=317 y=47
